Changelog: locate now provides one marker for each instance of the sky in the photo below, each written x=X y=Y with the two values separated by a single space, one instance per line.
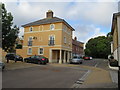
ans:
x=89 y=18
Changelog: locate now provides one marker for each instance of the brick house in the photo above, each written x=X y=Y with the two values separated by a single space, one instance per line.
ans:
x=77 y=47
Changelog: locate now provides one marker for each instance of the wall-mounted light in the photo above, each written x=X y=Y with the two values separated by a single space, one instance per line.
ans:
x=34 y=37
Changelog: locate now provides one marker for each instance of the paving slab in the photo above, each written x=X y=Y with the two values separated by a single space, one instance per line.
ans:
x=114 y=76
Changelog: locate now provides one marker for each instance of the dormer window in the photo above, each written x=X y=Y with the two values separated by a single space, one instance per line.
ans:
x=31 y=29
x=52 y=27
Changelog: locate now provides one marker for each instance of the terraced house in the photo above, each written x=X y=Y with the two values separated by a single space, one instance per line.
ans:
x=51 y=37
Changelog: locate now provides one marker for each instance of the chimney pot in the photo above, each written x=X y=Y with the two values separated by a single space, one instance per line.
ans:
x=49 y=14
x=75 y=38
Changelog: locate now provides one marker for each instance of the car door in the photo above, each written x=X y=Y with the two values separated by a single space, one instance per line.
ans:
x=12 y=56
x=35 y=59
x=32 y=59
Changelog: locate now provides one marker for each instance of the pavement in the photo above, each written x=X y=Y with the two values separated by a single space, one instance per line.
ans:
x=114 y=76
x=113 y=73
x=95 y=77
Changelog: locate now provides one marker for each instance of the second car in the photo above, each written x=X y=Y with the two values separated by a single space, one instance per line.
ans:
x=36 y=59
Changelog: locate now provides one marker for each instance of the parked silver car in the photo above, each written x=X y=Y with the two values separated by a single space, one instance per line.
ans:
x=76 y=59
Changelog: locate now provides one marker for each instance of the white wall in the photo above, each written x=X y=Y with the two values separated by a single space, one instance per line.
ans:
x=118 y=24
x=111 y=47
x=115 y=54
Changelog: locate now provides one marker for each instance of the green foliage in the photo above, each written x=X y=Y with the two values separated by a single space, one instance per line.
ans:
x=9 y=33
x=19 y=46
x=99 y=47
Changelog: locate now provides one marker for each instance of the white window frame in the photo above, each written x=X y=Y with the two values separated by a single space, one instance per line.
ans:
x=53 y=27
x=65 y=40
x=53 y=37
x=40 y=38
x=28 y=51
x=39 y=28
x=69 y=42
x=30 y=29
x=30 y=37
x=65 y=28
x=39 y=51
x=42 y=27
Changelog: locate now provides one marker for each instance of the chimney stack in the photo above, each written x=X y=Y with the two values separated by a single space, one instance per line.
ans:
x=75 y=38
x=49 y=14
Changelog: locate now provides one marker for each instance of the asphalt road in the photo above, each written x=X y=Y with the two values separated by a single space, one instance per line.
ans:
x=100 y=63
x=48 y=76
x=43 y=76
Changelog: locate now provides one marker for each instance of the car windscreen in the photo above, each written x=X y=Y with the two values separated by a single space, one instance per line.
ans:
x=37 y=56
x=32 y=57
x=76 y=57
x=18 y=55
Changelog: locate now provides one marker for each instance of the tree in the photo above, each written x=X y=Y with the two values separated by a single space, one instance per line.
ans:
x=99 y=47
x=9 y=32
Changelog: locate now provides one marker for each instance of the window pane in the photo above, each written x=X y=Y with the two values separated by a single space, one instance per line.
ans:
x=52 y=27
x=30 y=50
x=30 y=28
x=64 y=39
x=30 y=38
x=41 y=51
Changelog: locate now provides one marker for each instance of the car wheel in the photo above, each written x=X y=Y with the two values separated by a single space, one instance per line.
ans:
x=15 y=60
x=22 y=60
x=39 y=62
x=80 y=62
x=3 y=67
x=26 y=61
x=44 y=63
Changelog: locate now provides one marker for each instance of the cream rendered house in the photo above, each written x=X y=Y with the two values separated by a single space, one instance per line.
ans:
x=50 y=37
x=115 y=47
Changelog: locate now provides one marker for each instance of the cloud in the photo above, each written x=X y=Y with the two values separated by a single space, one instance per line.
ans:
x=93 y=12
x=85 y=32
x=90 y=16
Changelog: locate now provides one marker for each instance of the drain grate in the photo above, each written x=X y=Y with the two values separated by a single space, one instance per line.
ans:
x=79 y=82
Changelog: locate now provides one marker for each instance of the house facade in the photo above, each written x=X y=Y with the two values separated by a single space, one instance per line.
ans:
x=50 y=37
x=77 y=47
x=115 y=47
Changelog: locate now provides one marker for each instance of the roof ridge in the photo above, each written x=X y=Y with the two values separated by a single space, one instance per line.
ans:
x=47 y=21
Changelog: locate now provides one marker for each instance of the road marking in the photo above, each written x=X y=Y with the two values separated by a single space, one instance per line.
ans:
x=81 y=80
x=96 y=64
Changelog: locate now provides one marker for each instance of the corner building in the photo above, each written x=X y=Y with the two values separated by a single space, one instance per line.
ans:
x=50 y=37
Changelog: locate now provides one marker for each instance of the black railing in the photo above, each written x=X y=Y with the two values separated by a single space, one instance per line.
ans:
x=51 y=42
x=29 y=43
